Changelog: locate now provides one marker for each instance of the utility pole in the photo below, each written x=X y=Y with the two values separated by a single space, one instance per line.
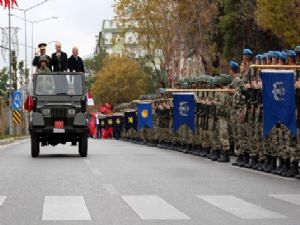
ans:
x=10 y=75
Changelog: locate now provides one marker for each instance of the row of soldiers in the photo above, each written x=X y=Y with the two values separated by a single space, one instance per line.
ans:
x=229 y=121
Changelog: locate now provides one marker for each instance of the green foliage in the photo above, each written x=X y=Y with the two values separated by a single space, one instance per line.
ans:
x=282 y=18
x=3 y=80
x=239 y=30
x=121 y=79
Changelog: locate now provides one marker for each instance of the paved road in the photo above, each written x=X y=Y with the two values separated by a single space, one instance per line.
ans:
x=125 y=184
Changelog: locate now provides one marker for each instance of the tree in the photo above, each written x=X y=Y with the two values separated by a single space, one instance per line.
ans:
x=3 y=79
x=121 y=79
x=282 y=18
x=239 y=30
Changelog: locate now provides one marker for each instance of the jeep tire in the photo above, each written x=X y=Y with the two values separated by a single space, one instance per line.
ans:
x=83 y=145
x=35 y=146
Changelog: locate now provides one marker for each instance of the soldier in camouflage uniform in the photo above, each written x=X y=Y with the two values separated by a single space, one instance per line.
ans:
x=223 y=112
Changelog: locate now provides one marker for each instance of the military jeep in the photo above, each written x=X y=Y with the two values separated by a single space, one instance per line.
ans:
x=59 y=111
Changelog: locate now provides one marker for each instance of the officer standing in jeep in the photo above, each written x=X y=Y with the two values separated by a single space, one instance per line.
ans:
x=41 y=53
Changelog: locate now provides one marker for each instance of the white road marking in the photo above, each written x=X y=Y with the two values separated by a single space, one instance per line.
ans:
x=152 y=207
x=294 y=199
x=240 y=208
x=111 y=189
x=88 y=162
x=96 y=172
x=2 y=200
x=65 y=208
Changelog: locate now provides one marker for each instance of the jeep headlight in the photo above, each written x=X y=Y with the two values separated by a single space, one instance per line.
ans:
x=46 y=112
x=71 y=112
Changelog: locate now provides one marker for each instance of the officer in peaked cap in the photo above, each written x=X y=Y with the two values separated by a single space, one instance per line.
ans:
x=41 y=52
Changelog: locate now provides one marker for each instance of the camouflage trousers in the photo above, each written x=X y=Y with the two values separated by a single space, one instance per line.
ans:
x=223 y=134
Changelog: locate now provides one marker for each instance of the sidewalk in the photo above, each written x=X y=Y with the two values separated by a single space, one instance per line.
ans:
x=10 y=140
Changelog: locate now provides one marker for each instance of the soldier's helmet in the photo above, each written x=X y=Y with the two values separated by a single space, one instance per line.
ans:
x=43 y=58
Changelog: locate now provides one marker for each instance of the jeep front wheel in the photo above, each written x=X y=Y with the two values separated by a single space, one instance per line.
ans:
x=83 y=146
x=35 y=146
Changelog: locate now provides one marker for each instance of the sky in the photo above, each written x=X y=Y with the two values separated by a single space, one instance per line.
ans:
x=79 y=21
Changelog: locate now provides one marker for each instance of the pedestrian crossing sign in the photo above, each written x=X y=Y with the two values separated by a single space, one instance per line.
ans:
x=16 y=100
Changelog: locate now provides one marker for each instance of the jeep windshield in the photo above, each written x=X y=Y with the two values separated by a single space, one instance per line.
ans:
x=59 y=84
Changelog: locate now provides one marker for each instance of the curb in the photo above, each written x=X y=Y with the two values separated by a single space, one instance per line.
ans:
x=12 y=140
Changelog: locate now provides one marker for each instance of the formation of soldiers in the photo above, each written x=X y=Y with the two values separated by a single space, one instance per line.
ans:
x=228 y=118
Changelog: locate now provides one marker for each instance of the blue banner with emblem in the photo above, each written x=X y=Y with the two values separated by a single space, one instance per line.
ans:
x=130 y=120
x=144 y=115
x=279 y=105
x=184 y=110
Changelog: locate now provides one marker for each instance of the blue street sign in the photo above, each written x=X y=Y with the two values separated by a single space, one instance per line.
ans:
x=16 y=100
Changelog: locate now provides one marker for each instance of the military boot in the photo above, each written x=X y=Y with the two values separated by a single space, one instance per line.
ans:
x=245 y=160
x=253 y=162
x=272 y=165
x=209 y=153
x=278 y=170
x=187 y=148
x=224 y=157
x=199 y=150
x=216 y=155
x=203 y=153
x=238 y=160
x=231 y=150
x=259 y=165
x=267 y=163
x=286 y=166
x=293 y=171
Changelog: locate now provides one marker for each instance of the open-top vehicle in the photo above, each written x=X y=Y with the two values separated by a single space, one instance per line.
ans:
x=59 y=111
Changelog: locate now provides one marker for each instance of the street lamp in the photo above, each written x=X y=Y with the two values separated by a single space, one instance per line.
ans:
x=32 y=23
x=25 y=22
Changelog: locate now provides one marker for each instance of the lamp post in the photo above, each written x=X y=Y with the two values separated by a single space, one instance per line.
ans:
x=32 y=31
x=32 y=23
x=25 y=24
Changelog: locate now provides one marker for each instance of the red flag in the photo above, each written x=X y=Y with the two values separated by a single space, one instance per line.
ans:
x=9 y=3
x=28 y=105
x=14 y=2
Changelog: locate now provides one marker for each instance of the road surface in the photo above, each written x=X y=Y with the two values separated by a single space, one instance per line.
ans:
x=120 y=183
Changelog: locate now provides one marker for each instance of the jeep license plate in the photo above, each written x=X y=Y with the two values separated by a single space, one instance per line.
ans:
x=56 y=130
x=59 y=127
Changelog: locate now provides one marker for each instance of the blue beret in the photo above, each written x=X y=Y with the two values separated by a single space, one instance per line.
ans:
x=297 y=49
x=247 y=51
x=265 y=56
x=277 y=54
x=270 y=54
x=283 y=55
x=234 y=65
x=259 y=57
x=291 y=53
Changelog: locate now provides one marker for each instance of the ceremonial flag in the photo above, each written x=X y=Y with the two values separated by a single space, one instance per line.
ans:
x=144 y=115
x=117 y=121
x=279 y=104
x=103 y=122
x=130 y=120
x=90 y=100
x=9 y=3
x=110 y=121
x=184 y=110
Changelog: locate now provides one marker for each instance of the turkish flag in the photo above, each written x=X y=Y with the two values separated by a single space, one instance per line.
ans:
x=9 y=3
x=90 y=100
x=28 y=105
